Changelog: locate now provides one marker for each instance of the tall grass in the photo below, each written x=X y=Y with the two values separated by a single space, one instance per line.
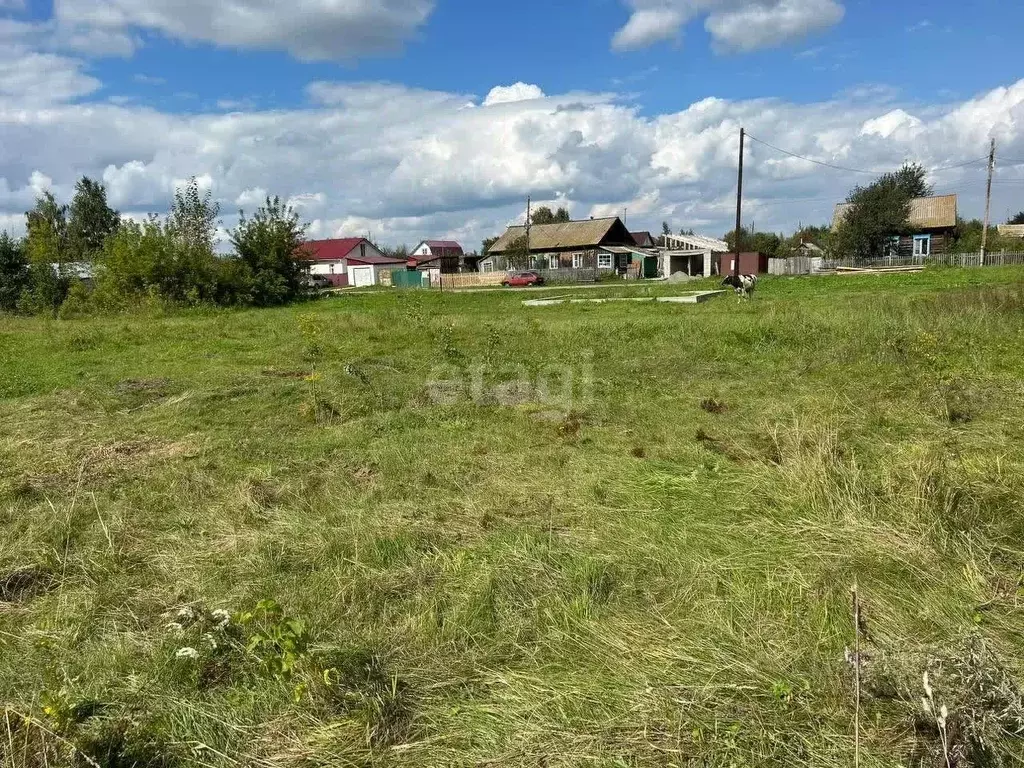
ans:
x=633 y=580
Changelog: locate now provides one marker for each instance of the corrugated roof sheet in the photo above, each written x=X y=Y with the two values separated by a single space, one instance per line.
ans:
x=330 y=250
x=570 y=234
x=937 y=212
x=372 y=258
x=696 y=243
x=342 y=248
x=447 y=245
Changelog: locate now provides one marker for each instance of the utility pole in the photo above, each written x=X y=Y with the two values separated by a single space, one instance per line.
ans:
x=739 y=205
x=527 y=266
x=988 y=200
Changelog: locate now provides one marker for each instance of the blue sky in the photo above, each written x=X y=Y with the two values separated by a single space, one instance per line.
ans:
x=356 y=110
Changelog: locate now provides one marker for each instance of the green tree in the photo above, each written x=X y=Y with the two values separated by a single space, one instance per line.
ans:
x=879 y=212
x=193 y=217
x=269 y=245
x=189 y=273
x=687 y=232
x=518 y=254
x=133 y=262
x=90 y=220
x=763 y=242
x=485 y=246
x=46 y=247
x=395 y=252
x=14 y=272
x=666 y=230
x=1017 y=219
x=968 y=236
x=544 y=215
x=730 y=239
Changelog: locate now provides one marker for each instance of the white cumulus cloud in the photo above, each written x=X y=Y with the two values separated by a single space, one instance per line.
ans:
x=308 y=29
x=32 y=78
x=734 y=25
x=507 y=94
x=406 y=164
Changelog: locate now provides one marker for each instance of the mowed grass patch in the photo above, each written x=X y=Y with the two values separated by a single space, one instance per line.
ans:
x=617 y=534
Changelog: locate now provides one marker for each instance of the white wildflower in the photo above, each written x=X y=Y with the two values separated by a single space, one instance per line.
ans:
x=210 y=640
x=943 y=716
x=186 y=613
x=221 y=618
x=187 y=653
x=927 y=687
x=174 y=627
x=926 y=705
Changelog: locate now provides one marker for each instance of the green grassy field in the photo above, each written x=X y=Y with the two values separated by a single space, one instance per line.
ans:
x=655 y=571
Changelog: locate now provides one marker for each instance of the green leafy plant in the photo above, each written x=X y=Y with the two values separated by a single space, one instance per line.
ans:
x=279 y=641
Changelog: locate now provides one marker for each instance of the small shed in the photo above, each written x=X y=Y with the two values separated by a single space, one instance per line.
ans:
x=751 y=263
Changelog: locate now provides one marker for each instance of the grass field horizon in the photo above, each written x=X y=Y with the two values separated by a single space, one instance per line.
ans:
x=422 y=529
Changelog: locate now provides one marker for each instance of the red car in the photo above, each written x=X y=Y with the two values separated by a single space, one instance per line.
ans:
x=522 y=279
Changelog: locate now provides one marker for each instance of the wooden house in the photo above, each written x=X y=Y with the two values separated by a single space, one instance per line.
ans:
x=932 y=226
x=563 y=245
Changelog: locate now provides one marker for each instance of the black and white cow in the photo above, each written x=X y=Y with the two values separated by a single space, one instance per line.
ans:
x=743 y=284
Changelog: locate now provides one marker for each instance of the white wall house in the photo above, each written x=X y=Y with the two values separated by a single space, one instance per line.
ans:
x=349 y=261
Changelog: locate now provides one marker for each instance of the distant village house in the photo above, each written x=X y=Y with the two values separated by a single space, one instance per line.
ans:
x=932 y=226
x=349 y=261
x=594 y=244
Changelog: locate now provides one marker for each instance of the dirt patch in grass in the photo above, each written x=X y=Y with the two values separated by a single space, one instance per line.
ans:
x=136 y=386
x=23 y=582
x=718 y=445
x=571 y=425
x=713 y=405
x=135 y=452
x=105 y=461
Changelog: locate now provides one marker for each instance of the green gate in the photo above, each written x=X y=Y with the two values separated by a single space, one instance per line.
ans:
x=407 y=278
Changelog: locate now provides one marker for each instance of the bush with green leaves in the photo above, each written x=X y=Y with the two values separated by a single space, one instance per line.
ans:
x=266 y=245
x=14 y=272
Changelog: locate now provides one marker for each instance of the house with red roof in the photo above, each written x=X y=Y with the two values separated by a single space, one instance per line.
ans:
x=348 y=261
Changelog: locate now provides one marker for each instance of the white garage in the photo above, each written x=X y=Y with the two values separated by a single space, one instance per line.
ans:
x=361 y=276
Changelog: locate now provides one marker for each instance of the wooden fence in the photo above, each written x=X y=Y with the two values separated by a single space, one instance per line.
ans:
x=472 y=280
x=803 y=265
x=795 y=265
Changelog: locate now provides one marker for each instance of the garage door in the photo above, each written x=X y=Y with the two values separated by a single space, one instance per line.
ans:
x=362 y=276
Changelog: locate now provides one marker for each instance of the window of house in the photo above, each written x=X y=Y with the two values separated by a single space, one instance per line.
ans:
x=533 y=262
x=330 y=268
x=577 y=261
x=362 y=250
x=553 y=261
x=922 y=245
x=604 y=261
x=487 y=266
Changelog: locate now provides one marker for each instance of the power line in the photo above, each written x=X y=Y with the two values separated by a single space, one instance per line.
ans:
x=808 y=159
x=858 y=170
